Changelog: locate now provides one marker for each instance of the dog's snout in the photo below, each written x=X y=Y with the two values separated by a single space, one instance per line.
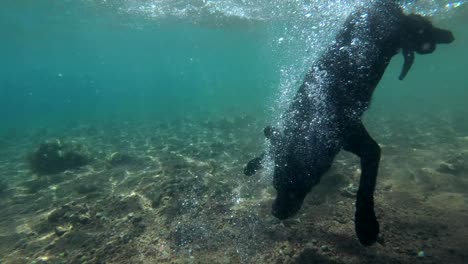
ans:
x=443 y=36
x=287 y=203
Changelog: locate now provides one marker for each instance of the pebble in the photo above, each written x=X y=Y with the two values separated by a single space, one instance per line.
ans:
x=60 y=230
x=387 y=187
x=84 y=219
x=421 y=254
x=324 y=248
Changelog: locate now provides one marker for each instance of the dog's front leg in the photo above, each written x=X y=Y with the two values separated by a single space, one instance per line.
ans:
x=361 y=144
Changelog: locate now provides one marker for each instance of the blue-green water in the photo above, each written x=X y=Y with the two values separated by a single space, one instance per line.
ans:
x=77 y=61
x=92 y=60
x=119 y=76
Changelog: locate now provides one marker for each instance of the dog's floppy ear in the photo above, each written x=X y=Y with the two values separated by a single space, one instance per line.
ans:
x=420 y=36
x=408 y=56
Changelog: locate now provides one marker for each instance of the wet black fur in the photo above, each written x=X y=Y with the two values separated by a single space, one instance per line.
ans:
x=325 y=115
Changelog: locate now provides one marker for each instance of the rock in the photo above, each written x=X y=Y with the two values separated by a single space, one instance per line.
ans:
x=349 y=191
x=84 y=219
x=324 y=248
x=21 y=244
x=445 y=167
x=421 y=254
x=387 y=187
x=86 y=188
x=119 y=159
x=60 y=230
x=137 y=219
x=56 y=215
x=286 y=249
x=455 y=165
x=56 y=156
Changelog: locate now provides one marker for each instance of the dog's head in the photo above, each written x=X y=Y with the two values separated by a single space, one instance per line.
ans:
x=290 y=181
x=420 y=36
x=293 y=175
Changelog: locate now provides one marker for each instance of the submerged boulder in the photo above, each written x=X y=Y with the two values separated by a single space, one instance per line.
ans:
x=56 y=156
x=455 y=165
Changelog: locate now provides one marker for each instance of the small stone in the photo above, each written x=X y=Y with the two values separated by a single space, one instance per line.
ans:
x=137 y=219
x=309 y=245
x=60 y=230
x=445 y=167
x=381 y=240
x=118 y=159
x=349 y=191
x=21 y=244
x=324 y=248
x=84 y=218
x=421 y=254
x=125 y=238
x=288 y=251
x=56 y=215
x=141 y=225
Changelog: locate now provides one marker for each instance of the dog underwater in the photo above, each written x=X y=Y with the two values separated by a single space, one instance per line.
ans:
x=324 y=116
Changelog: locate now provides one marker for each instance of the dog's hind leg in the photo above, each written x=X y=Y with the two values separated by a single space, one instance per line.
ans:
x=359 y=142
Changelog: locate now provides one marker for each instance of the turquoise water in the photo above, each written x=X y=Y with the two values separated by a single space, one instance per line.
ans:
x=81 y=61
x=185 y=88
x=93 y=60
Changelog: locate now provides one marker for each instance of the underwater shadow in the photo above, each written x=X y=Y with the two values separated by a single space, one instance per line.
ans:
x=348 y=245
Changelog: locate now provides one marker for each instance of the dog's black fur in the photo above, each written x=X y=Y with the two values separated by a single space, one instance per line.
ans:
x=325 y=115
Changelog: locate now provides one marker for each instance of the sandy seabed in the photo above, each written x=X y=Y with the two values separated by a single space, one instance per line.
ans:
x=181 y=197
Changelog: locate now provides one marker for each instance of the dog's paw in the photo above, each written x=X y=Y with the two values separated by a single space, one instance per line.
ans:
x=367 y=227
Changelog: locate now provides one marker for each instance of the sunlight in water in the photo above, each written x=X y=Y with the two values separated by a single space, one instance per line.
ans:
x=162 y=103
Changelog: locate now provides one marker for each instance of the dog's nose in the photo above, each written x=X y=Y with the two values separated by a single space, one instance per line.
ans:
x=282 y=212
x=286 y=205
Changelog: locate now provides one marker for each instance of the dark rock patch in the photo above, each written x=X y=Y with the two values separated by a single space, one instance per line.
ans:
x=55 y=156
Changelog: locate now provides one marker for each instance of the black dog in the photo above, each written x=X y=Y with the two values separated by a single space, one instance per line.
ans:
x=325 y=115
